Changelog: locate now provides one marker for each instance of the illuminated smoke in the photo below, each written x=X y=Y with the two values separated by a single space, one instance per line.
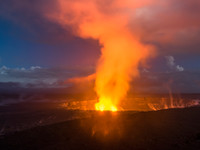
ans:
x=107 y=22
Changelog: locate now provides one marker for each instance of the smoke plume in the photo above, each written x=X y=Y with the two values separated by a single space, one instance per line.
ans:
x=107 y=22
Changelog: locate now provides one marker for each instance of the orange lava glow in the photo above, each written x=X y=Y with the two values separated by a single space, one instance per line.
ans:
x=105 y=105
x=117 y=65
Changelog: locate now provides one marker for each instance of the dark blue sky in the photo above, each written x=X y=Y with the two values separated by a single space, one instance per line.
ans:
x=20 y=47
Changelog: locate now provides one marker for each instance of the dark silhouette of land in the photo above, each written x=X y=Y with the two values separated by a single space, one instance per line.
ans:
x=160 y=130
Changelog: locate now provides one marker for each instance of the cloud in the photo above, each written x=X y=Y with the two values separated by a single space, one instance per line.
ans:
x=35 y=68
x=37 y=76
x=172 y=65
x=171 y=25
x=170 y=61
x=179 y=68
x=15 y=79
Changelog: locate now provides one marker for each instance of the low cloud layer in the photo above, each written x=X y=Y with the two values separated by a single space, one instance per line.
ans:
x=44 y=78
x=38 y=77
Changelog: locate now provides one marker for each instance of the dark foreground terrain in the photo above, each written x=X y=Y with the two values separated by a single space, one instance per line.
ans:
x=160 y=130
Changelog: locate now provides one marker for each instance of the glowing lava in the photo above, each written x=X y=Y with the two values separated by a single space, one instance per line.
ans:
x=105 y=105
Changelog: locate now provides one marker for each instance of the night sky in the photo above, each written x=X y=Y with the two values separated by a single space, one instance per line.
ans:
x=36 y=50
